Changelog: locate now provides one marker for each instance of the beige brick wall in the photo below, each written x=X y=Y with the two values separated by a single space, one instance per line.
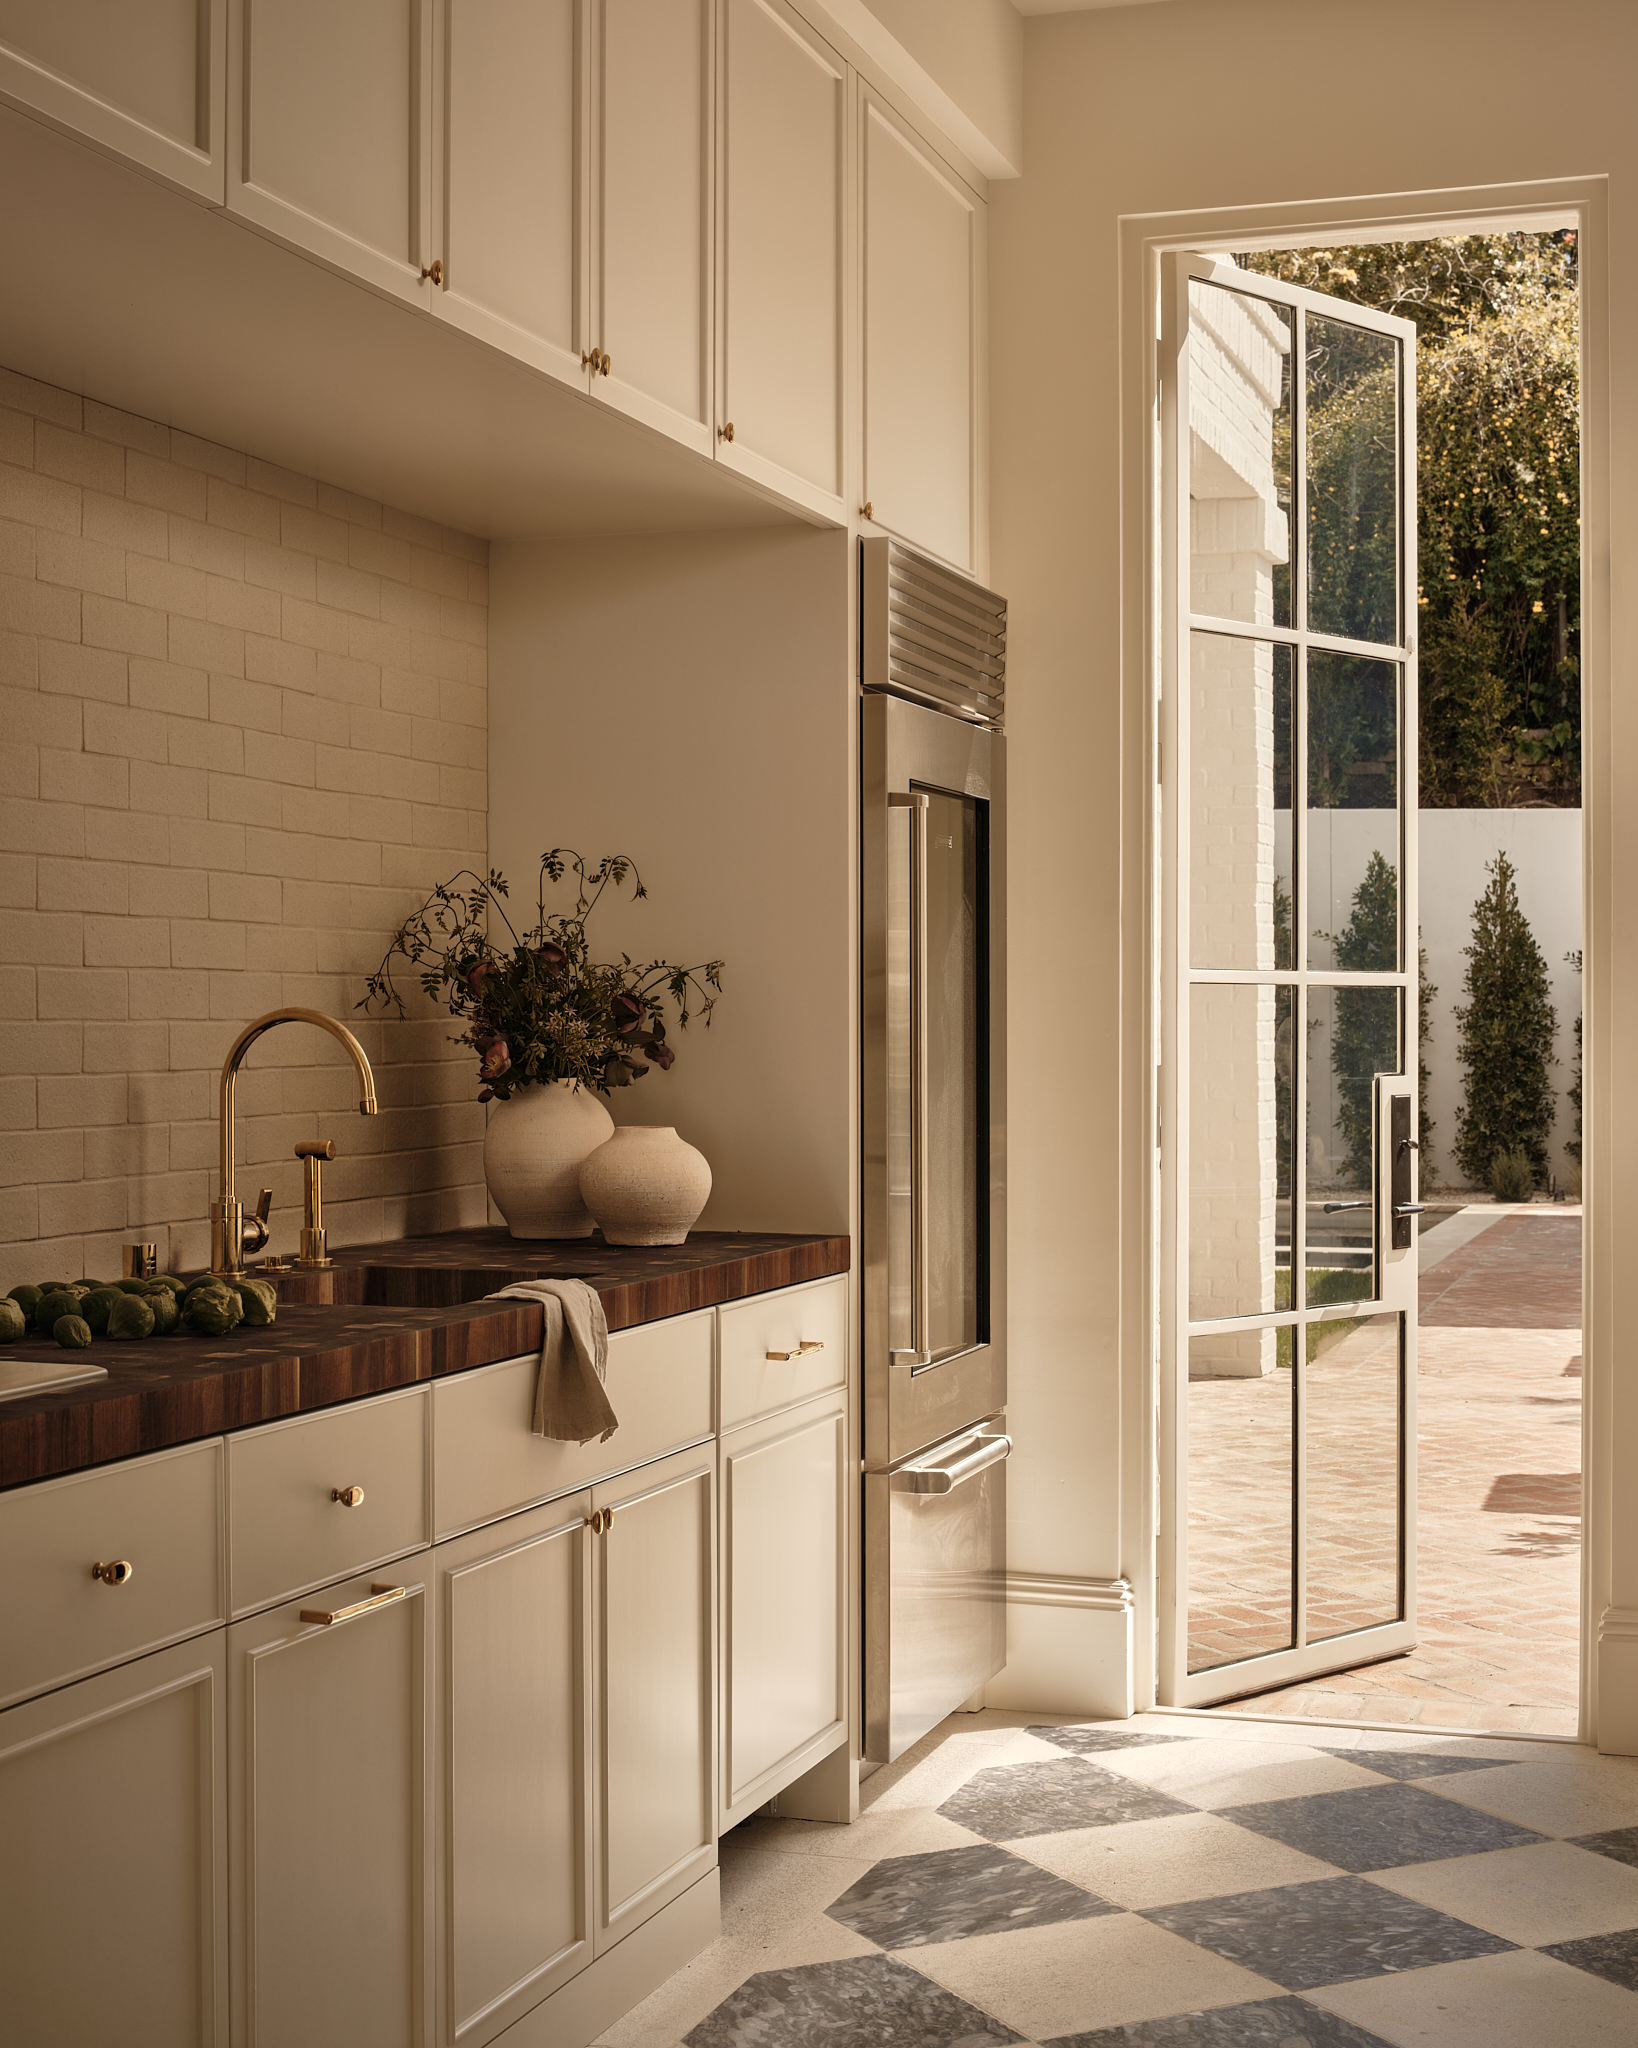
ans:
x=245 y=729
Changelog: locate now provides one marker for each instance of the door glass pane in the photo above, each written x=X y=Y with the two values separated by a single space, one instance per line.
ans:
x=1353 y=481
x=1240 y=350
x=955 y=1060
x=1351 y=1421
x=1241 y=1499
x=1353 y=1035
x=1240 y=802
x=1240 y=1146
x=1353 y=813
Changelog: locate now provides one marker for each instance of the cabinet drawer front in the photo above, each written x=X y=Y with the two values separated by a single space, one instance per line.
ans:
x=287 y=1531
x=488 y=1463
x=161 y=1515
x=753 y=1383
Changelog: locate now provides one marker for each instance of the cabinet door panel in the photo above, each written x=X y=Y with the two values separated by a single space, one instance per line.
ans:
x=140 y=79
x=783 y=181
x=784 y=1600
x=329 y=130
x=921 y=245
x=654 y=1576
x=513 y=238
x=128 y=1944
x=652 y=253
x=329 y=1811
x=515 y=1916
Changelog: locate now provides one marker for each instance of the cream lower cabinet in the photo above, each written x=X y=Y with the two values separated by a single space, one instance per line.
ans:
x=784 y=1599
x=113 y=1858
x=330 y=1837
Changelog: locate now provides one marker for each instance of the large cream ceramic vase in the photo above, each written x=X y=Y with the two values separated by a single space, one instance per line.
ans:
x=646 y=1185
x=532 y=1153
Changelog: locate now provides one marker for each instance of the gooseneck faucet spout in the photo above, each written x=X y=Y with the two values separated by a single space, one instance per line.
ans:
x=228 y=1229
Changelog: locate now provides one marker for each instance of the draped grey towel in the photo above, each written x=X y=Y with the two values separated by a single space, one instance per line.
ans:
x=571 y=1406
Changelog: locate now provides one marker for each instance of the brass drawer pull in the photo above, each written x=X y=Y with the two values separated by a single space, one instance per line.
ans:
x=349 y=1496
x=380 y=1596
x=802 y=1350
x=115 y=1574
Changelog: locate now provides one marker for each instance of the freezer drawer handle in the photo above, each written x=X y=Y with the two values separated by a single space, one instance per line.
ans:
x=982 y=1453
x=917 y=803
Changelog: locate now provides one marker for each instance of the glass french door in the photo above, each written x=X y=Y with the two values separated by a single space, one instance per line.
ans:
x=1288 y=1122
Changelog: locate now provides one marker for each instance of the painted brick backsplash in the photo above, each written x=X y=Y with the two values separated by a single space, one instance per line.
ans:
x=245 y=730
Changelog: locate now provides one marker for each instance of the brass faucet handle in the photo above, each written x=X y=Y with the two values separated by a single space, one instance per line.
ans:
x=316 y=1148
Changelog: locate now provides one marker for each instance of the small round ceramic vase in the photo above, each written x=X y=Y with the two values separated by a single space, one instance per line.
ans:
x=645 y=1186
x=533 y=1148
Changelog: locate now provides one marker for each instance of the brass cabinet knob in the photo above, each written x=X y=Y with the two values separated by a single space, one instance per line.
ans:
x=116 y=1574
x=867 y=510
x=433 y=272
x=349 y=1496
x=589 y=359
x=598 y=1520
x=605 y=363
x=726 y=433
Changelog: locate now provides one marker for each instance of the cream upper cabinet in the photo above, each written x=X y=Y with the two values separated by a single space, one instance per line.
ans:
x=329 y=1782
x=330 y=131
x=923 y=270
x=113 y=1857
x=515 y=1863
x=782 y=254
x=140 y=79
x=653 y=1591
x=652 y=92
x=784 y=1600
x=510 y=205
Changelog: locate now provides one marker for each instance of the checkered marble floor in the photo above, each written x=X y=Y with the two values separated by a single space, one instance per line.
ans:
x=1166 y=1881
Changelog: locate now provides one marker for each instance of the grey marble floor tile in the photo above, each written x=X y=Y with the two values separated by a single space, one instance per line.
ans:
x=1328 y=1932
x=1268 y=2023
x=948 y=1894
x=1013 y=1800
x=1379 y=1827
x=1613 y=1956
x=1087 y=1741
x=1621 y=1843
x=865 y=2003
x=1406 y=1763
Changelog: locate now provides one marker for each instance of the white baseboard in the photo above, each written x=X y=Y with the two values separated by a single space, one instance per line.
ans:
x=1618 y=1681
x=1069 y=1648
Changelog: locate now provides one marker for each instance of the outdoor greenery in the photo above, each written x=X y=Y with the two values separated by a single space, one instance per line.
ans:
x=1506 y=1032
x=1573 y=1145
x=1498 y=470
x=1512 y=1176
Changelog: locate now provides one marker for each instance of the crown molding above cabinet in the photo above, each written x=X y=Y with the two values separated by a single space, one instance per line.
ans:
x=344 y=240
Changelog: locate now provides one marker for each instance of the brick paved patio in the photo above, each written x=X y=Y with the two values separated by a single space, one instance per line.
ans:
x=1499 y=1414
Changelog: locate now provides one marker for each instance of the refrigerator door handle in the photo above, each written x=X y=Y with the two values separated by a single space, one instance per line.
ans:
x=916 y=802
x=978 y=1455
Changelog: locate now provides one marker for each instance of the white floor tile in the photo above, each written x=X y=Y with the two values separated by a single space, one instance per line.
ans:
x=1081 y=1974
x=1579 y=1796
x=1545 y=1892
x=1521 y=2000
x=1228 y=1773
x=1141 y=1863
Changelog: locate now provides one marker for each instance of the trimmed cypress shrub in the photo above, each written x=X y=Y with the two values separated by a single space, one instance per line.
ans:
x=1506 y=1036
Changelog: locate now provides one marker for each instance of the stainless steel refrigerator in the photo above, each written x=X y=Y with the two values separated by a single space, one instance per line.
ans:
x=933 y=874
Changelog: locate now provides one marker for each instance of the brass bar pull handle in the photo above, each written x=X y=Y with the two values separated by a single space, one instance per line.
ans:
x=380 y=1596
x=349 y=1496
x=116 y=1574
x=804 y=1349
x=917 y=803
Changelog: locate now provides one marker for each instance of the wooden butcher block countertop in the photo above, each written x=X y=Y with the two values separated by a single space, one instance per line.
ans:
x=382 y=1316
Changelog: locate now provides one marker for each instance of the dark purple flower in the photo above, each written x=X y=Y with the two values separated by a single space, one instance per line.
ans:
x=477 y=976
x=662 y=1056
x=626 y=1013
x=497 y=1060
x=552 y=958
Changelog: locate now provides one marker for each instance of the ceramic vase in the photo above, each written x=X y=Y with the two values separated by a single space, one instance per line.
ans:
x=532 y=1153
x=645 y=1186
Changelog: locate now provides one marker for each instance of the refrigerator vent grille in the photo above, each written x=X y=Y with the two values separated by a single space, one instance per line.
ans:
x=929 y=634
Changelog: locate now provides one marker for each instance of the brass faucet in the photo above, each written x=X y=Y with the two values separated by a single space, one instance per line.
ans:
x=230 y=1235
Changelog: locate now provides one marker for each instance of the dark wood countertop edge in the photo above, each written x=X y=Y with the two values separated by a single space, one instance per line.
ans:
x=104 y=1423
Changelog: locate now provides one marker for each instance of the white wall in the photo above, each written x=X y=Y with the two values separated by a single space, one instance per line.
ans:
x=1138 y=111
x=688 y=700
x=961 y=60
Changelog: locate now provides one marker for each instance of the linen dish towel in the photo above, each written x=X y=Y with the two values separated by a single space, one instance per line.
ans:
x=571 y=1406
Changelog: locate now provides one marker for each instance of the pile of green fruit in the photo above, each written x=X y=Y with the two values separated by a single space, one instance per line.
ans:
x=77 y=1311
